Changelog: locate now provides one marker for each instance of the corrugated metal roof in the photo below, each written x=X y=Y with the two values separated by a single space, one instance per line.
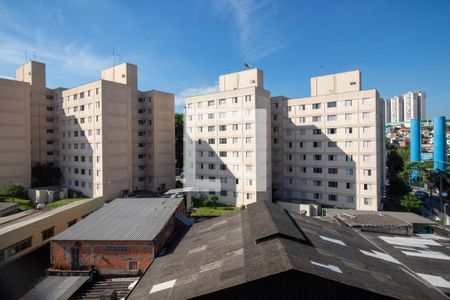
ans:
x=263 y=240
x=127 y=219
x=56 y=288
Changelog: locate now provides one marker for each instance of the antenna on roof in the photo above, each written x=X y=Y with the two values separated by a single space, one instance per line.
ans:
x=114 y=55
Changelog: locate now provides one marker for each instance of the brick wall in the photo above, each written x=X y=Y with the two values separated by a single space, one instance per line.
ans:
x=107 y=257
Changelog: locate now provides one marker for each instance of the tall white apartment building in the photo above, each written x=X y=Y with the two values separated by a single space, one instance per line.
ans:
x=414 y=106
x=397 y=109
x=106 y=136
x=329 y=148
x=227 y=140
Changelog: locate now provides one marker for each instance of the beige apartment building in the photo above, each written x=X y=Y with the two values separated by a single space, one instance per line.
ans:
x=15 y=145
x=227 y=140
x=106 y=136
x=329 y=148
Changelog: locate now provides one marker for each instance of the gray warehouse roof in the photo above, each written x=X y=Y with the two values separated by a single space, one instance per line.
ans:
x=264 y=240
x=130 y=219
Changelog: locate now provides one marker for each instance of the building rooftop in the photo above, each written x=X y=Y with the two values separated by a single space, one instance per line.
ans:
x=258 y=244
x=127 y=219
x=406 y=217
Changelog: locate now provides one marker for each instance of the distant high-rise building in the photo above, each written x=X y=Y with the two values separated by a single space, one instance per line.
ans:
x=397 y=108
x=414 y=106
x=107 y=137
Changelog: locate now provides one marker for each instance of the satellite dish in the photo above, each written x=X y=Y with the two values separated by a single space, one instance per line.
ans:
x=247 y=65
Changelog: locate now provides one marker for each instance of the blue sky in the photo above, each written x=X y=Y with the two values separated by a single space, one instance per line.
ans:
x=182 y=46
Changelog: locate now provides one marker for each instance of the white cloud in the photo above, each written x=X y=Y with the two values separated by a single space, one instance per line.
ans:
x=255 y=21
x=179 y=98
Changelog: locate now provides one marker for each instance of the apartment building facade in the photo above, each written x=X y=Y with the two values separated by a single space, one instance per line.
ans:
x=414 y=106
x=15 y=148
x=105 y=136
x=387 y=110
x=397 y=109
x=227 y=140
x=329 y=148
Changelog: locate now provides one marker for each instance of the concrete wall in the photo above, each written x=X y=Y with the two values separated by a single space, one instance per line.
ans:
x=33 y=226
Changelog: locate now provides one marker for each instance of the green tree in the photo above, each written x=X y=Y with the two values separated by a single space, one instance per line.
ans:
x=410 y=203
x=403 y=153
x=179 y=123
x=14 y=190
x=45 y=174
x=214 y=200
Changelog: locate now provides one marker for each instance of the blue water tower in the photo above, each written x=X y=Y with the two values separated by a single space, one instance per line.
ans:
x=415 y=141
x=440 y=143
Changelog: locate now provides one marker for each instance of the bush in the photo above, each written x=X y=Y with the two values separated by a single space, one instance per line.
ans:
x=242 y=207
x=14 y=190
x=204 y=200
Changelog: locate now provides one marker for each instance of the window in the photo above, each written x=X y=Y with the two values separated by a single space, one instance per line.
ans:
x=211 y=128
x=331 y=104
x=235 y=126
x=48 y=233
x=132 y=265
x=302 y=120
x=332 y=198
x=349 y=158
x=222 y=127
x=366 y=187
x=366 y=144
x=210 y=153
x=367 y=201
x=332 y=170
x=366 y=129
x=348 y=103
x=331 y=130
x=332 y=144
x=81 y=95
x=332 y=157
x=317 y=183
x=211 y=103
x=348 y=117
x=348 y=185
x=317 y=170
x=210 y=116
x=348 y=130
x=317 y=144
x=367 y=172
x=349 y=172
x=332 y=184
x=316 y=119
x=366 y=115
x=222 y=141
x=223 y=154
x=223 y=193
x=331 y=118
x=248 y=140
x=317 y=157
x=234 y=100
x=211 y=167
x=349 y=199
x=211 y=141
x=222 y=101
x=248 y=126
x=316 y=106
x=317 y=196
x=248 y=98
x=317 y=131
x=366 y=158
x=348 y=144
x=18 y=247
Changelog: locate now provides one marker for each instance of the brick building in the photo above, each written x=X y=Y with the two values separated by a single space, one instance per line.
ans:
x=122 y=238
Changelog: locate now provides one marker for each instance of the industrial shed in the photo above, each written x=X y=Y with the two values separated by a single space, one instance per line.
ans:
x=122 y=238
x=264 y=252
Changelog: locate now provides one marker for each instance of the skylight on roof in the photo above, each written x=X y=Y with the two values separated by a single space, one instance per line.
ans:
x=162 y=286
x=328 y=239
x=381 y=255
x=330 y=267
x=435 y=280
x=411 y=242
